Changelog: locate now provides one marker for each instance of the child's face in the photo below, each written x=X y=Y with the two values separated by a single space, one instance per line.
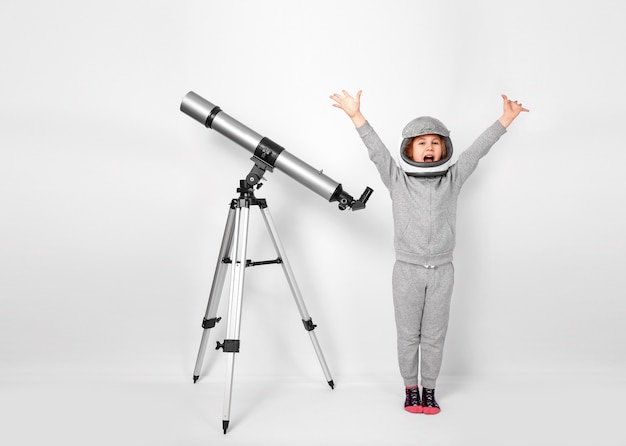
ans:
x=426 y=149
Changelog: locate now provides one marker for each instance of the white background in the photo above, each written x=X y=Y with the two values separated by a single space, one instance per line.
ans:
x=113 y=202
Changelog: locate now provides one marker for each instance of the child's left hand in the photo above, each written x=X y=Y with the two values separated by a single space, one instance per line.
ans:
x=511 y=111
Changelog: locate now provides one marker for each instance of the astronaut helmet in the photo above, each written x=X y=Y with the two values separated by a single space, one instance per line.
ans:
x=425 y=125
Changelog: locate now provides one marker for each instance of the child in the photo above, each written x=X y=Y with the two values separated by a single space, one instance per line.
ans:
x=424 y=188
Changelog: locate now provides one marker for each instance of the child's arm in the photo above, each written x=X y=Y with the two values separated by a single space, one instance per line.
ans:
x=468 y=160
x=512 y=109
x=378 y=153
x=350 y=105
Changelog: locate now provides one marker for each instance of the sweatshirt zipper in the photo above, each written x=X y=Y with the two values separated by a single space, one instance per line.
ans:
x=430 y=219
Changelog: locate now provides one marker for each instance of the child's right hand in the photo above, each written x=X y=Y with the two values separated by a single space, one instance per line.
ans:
x=350 y=105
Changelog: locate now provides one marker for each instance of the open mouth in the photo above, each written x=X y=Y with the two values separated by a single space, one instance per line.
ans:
x=429 y=159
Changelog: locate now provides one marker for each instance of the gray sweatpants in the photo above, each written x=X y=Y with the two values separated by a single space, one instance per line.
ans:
x=421 y=298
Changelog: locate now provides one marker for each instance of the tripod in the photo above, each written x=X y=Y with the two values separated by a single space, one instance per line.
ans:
x=234 y=243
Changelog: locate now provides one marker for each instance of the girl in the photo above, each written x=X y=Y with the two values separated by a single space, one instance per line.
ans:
x=424 y=188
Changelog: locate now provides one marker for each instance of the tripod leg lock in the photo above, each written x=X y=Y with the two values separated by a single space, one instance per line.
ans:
x=229 y=346
x=309 y=325
x=210 y=323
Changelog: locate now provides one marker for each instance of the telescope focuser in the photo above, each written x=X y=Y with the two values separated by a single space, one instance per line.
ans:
x=347 y=201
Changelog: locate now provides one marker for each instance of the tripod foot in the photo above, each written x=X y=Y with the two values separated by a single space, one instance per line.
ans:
x=225 y=425
x=195 y=378
x=331 y=384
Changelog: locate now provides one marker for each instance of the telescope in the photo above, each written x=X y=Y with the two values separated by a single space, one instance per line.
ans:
x=268 y=155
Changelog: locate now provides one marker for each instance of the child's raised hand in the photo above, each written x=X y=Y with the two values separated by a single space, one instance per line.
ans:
x=511 y=110
x=347 y=103
x=350 y=105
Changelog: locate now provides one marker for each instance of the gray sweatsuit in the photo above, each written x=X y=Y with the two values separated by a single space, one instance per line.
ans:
x=424 y=213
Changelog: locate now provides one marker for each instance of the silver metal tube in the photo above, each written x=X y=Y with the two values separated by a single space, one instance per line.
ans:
x=295 y=290
x=197 y=107
x=236 y=132
x=210 y=115
x=306 y=175
x=264 y=149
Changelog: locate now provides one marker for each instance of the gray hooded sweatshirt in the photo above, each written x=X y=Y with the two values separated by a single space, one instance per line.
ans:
x=424 y=208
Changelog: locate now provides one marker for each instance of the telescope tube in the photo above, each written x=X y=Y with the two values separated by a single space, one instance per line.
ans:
x=266 y=150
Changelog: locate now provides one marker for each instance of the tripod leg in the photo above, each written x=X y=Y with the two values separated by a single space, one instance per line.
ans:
x=306 y=319
x=231 y=343
x=209 y=320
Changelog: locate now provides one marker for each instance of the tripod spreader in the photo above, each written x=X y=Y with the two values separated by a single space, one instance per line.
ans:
x=278 y=261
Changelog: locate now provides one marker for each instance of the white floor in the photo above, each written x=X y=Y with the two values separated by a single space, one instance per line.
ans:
x=174 y=411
